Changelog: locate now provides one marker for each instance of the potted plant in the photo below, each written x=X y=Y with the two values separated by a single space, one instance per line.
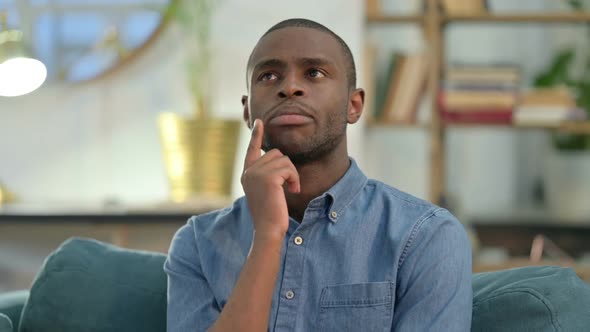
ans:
x=567 y=167
x=199 y=150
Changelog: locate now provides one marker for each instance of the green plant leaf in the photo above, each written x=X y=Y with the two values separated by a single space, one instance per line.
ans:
x=576 y=4
x=558 y=71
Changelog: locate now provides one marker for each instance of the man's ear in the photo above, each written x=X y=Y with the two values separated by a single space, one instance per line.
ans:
x=355 y=105
x=246 y=111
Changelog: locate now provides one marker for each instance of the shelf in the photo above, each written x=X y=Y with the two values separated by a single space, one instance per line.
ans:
x=373 y=124
x=575 y=127
x=566 y=127
x=401 y=19
x=582 y=128
x=565 y=17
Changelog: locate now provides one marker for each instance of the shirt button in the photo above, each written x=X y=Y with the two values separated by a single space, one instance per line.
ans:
x=334 y=214
x=290 y=295
x=298 y=240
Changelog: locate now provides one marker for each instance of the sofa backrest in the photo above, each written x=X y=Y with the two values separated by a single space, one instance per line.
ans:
x=537 y=298
x=87 y=285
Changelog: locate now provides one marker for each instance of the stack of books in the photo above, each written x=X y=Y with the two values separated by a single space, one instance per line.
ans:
x=479 y=94
x=547 y=107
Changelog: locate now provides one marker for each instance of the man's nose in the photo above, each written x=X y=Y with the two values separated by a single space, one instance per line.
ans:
x=291 y=87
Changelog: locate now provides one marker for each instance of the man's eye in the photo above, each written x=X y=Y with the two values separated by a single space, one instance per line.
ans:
x=315 y=73
x=267 y=77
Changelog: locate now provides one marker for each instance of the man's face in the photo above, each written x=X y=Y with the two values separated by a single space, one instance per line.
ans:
x=299 y=89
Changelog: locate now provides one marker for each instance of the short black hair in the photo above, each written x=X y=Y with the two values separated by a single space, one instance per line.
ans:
x=305 y=23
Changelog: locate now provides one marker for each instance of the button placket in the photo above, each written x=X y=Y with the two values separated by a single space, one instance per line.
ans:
x=292 y=276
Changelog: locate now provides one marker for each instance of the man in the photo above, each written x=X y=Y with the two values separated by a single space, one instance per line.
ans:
x=314 y=245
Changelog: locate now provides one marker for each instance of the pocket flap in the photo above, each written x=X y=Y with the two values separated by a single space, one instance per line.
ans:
x=357 y=295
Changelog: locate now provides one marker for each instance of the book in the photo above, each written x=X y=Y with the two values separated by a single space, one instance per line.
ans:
x=482 y=115
x=488 y=74
x=492 y=116
x=464 y=7
x=369 y=57
x=547 y=116
x=385 y=89
x=468 y=85
x=478 y=99
x=373 y=7
x=408 y=86
x=560 y=96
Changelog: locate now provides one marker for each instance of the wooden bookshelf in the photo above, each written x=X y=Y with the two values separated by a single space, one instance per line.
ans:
x=575 y=127
x=565 y=17
x=393 y=19
x=433 y=22
x=383 y=124
x=582 y=128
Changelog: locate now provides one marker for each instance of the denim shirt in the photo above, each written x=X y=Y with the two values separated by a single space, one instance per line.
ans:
x=365 y=257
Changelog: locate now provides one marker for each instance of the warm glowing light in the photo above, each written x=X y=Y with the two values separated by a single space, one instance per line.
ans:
x=19 y=76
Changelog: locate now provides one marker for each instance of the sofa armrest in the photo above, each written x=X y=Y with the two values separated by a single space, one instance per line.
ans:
x=5 y=323
x=11 y=305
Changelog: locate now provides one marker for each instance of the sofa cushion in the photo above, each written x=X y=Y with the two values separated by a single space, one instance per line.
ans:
x=87 y=285
x=539 y=298
x=5 y=323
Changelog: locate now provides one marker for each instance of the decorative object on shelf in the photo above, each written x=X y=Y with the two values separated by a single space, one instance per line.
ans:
x=6 y=196
x=566 y=179
x=20 y=73
x=567 y=165
x=560 y=73
x=199 y=155
x=199 y=150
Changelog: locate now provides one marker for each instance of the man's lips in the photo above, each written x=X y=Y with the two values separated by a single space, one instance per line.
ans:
x=289 y=116
x=290 y=120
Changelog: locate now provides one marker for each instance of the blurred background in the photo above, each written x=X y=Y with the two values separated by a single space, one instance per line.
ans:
x=120 y=119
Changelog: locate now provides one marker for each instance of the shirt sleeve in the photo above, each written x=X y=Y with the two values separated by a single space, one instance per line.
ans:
x=191 y=304
x=434 y=291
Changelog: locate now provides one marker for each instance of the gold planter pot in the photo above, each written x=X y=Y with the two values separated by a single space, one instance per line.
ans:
x=6 y=196
x=199 y=155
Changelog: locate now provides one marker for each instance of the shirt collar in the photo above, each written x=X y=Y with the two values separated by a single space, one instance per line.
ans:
x=344 y=191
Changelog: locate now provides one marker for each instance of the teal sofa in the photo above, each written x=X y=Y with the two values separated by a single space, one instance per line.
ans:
x=87 y=285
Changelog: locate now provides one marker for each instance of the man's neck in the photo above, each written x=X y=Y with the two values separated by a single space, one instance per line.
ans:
x=315 y=179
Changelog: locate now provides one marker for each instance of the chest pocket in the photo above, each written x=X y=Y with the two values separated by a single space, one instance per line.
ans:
x=357 y=307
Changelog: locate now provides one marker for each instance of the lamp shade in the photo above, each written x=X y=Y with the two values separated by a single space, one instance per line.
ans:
x=19 y=73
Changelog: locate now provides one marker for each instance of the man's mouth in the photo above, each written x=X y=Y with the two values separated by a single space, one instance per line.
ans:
x=290 y=119
x=290 y=115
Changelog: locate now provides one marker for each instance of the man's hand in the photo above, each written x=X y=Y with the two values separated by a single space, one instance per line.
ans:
x=263 y=179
